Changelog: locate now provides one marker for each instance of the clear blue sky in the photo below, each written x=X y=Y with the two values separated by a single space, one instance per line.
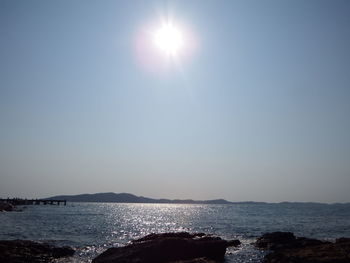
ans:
x=261 y=110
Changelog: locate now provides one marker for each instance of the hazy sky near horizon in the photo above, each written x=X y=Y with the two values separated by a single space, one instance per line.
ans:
x=258 y=109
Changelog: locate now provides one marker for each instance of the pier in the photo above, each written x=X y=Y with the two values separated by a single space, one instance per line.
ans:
x=19 y=201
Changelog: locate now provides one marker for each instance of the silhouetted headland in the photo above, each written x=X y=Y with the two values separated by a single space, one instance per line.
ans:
x=130 y=198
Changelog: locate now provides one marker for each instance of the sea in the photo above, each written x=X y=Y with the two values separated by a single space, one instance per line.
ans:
x=91 y=228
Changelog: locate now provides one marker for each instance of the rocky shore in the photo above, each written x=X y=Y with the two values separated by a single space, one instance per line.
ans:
x=25 y=251
x=286 y=248
x=183 y=247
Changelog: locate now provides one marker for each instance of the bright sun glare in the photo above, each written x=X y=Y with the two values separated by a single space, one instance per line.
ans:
x=165 y=44
x=169 y=39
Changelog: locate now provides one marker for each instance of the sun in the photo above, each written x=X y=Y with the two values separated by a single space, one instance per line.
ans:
x=169 y=39
x=165 y=44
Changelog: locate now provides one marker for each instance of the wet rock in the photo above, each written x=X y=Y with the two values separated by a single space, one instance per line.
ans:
x=276 y=240
x=234 y=243
x=169 y=247
x=342 y=240
x=286 y=248
x=308 y=242
x=23 y=251
x=196 y=260
x=284 y=240
x=325 y=253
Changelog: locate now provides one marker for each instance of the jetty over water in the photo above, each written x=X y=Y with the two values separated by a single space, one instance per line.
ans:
x=20 y=201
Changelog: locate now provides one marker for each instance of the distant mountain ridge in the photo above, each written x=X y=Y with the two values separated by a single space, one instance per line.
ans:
x=130 y=198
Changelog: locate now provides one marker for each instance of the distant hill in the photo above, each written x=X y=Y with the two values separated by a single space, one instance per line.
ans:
x=130 y=198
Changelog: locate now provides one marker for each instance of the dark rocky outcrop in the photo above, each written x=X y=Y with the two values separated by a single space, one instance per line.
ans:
x=169 y=247
x=342 y=240
x=4 y=206
x=275 y=240
x=286 y=248
x=23 y=251
x=196 y=260
x=284 y=240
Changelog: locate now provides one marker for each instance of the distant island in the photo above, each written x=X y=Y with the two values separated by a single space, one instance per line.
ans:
x=130 y=198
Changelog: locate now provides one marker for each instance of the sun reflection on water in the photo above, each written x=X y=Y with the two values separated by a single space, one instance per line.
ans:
x=130 y=221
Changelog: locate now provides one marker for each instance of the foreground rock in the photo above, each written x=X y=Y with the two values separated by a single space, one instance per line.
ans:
x=286 y=248
x=169 y=247
x=23 y=251
x=284 y=240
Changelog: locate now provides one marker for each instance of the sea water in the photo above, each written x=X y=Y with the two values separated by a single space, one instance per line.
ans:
x=91 y=228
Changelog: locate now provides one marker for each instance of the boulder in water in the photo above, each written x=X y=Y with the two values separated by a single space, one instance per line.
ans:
x=169 y=247
x=284 y=240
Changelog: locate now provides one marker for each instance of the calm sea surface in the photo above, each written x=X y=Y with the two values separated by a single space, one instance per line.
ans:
x=93 y=227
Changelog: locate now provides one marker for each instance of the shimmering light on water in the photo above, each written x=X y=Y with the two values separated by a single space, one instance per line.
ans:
x=93 y=227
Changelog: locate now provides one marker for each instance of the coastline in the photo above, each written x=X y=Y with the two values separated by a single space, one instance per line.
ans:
x=184 y=247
